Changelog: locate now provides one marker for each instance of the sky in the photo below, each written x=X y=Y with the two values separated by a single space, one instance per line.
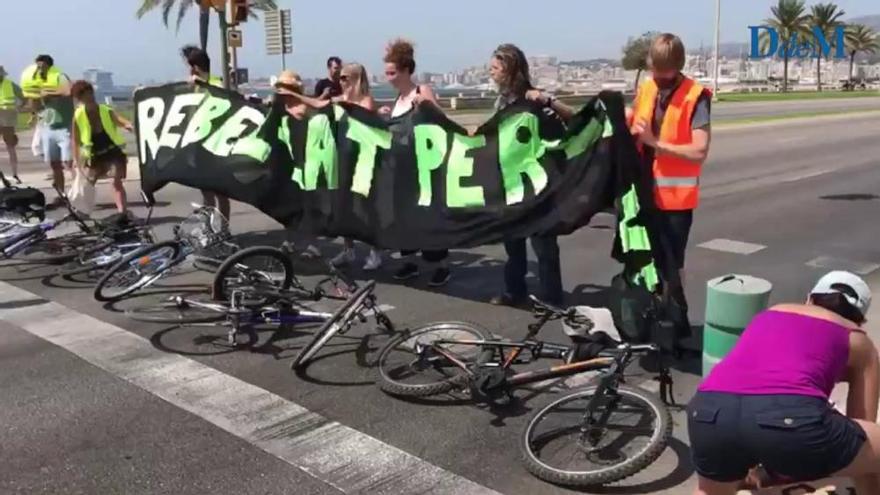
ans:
x=448 y=34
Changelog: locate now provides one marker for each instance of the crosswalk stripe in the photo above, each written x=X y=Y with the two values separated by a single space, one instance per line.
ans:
x=347 y=459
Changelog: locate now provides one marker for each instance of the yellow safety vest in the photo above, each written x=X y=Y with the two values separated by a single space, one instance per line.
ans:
x=7 y=94
x=84 y=129
x=32 y=83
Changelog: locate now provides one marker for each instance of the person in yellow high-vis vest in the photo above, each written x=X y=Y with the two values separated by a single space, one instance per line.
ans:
x=98 y=143
x=199 y=64
x=670 y=120
x=48 y=90
x=11 y=99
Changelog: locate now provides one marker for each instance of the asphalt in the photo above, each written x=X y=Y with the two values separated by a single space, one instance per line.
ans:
x=806 y=192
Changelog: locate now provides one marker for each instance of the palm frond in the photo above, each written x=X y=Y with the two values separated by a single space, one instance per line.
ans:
x=146 y=7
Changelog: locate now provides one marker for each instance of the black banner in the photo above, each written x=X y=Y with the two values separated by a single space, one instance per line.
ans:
x=417 y=182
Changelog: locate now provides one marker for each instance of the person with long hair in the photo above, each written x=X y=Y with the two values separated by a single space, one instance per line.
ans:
x=766 y=402
x=356 y=89
x=509 y=69
x=400 y=65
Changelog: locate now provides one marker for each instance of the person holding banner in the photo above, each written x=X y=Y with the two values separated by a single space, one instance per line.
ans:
x=356 y=89
x=509 y=69
x=199 y=64
x=670 y=119
x=400 y=65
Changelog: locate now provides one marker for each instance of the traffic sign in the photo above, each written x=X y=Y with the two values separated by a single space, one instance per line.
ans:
x=279 y=39
x=233 y=37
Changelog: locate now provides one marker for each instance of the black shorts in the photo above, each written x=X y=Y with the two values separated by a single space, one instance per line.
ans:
x=674 y=228
x=795 y=436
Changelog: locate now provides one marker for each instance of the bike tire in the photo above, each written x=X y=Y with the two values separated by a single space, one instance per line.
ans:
x=176 y=312
x=661 y=432
x=393 y=386
x=124 y=263
x=219 y=289
x=340 y=319
x=61 y=249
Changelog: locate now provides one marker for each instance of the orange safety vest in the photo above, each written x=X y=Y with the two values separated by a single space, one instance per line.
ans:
x=676 y=180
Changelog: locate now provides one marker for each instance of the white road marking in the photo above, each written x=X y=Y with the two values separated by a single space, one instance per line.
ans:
x=730 y=246
x=830 y=262
x=351 y=461
x=807 y=175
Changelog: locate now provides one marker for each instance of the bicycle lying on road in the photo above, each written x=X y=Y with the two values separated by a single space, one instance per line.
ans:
x=204 y=234
x=603 y=419
x=31 y=242
x=264 y=305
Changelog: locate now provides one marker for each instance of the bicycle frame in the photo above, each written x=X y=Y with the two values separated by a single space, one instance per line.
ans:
x=238 y=316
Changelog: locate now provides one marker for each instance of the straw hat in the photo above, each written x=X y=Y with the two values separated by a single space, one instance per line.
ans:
x=290 y=79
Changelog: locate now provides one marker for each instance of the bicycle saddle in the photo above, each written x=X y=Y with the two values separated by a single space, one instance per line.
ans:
x=598 y=320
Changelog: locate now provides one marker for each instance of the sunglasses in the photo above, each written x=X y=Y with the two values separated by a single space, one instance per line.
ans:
x=390 y=73
x=344 y=77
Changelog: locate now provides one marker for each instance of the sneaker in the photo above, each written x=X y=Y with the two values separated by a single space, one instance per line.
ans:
x=407 y=271
x=346 y=257
x=440 y=277
x=374 y=261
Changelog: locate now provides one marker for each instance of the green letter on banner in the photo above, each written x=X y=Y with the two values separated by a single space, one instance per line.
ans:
x=520 y=157
x=460 y=166
x=430 y=151
x=320 y=153
x=228 y=139
x=370 y=139
x=284 y=137
x=200 y=125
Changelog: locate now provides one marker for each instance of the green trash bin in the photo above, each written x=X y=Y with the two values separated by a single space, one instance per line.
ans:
x=731 y=303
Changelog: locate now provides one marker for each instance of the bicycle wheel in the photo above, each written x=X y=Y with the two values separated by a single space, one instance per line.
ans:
x=181 y=310
x=139 y=269
x=94 y=261
x=409 y=367
x=61 y=249
x=259 y=267
x=340 y=322
x=560 y=446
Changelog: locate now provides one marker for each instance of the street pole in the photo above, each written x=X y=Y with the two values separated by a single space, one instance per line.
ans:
x=717 y=47
x=224 y=48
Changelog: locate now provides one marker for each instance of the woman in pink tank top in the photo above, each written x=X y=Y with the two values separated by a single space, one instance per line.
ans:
x=766 y=403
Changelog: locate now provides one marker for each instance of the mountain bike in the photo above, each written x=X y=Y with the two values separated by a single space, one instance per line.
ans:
x=441 y=357
x=203 y=235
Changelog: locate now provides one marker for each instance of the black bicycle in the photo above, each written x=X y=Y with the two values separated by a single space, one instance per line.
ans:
x=606 y=419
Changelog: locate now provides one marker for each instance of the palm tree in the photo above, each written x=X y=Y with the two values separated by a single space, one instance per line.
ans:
x=789 y=19
x=825 y=17
x=204 y=6
x=860 y=39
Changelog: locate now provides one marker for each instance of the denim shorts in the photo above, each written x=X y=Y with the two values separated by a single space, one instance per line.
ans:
x=794 y=436
x=56 y=145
